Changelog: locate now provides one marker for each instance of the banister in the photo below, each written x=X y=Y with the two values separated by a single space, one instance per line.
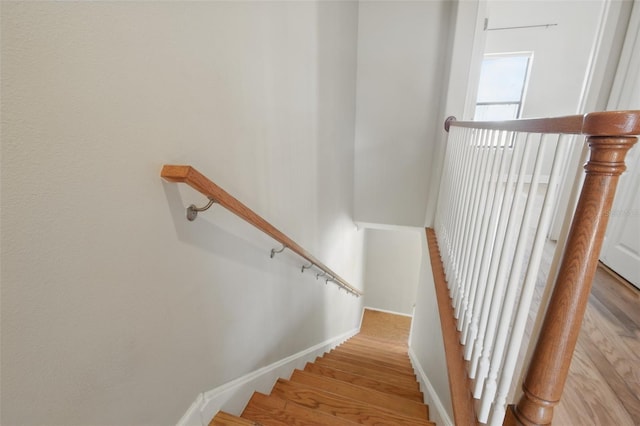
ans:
x=608 y=123
x=549 y=365
x=609 y=136
x=199 y=182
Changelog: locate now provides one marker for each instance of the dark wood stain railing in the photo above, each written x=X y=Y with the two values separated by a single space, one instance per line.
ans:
x=609 y=136
x=199 y=182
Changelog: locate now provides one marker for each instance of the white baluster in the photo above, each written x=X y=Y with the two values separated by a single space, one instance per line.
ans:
x=456 y=213
x=514 y=275
x=486 y=198
x=497 y=269
x=495 y=287
x=524 y=305
x=470 y=217
x=487 y=238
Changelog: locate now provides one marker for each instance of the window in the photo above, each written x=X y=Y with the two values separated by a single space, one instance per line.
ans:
x=503 y=81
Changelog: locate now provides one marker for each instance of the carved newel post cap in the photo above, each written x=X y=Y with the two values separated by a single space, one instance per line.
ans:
x=611 y=123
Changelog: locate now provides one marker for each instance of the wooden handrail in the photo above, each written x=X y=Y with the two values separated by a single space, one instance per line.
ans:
x=199 y=182
x=609 y=136
x=610 y=123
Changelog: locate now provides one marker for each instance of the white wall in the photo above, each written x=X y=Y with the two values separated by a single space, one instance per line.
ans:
x=562 y=53
x=402 y=51
x=427 y=345
x=115 y=309
x=392 y=268
x=466 y=45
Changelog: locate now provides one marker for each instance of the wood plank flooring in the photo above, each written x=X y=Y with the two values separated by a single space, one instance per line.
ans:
x=390 y=327
x=603 y=387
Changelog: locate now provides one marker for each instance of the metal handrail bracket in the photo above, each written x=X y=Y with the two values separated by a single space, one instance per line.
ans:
x=215 y=194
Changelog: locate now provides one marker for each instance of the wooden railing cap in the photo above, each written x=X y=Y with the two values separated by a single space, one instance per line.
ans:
x=608 y=123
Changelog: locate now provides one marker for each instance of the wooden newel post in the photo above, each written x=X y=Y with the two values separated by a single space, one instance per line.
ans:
x=609 y=136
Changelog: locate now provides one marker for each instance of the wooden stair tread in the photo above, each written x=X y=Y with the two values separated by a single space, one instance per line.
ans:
x=226 y=419
x=385 y=346
x=403 y=372
x=373 y=357
x=378 y=354
x=393 y=353
x=390 y=402
x=397 y=355
x=341 y=406
x=386 y=325
x=270 y=410
x=391 y=344
x=393 y=379
x=364 y=381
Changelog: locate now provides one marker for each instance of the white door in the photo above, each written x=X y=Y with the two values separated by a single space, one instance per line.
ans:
x=621 y=249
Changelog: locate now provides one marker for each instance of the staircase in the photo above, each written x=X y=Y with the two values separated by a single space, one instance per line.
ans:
x=366 y=380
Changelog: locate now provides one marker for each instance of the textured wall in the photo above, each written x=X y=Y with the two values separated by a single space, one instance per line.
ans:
x=115 y=310
x=402 y=56
x=426 y=335
x=392 y=268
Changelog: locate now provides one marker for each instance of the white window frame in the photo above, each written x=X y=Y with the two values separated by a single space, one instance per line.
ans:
x=525 y=84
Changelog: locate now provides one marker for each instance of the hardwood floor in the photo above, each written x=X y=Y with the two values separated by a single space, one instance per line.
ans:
x=603 y=387
x=392 y=328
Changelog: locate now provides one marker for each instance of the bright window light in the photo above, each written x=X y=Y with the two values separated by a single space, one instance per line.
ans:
x=503 y=81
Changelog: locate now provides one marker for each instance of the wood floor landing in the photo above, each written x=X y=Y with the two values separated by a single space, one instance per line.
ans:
x=386 y=326
x=367 y=380
x=603 y=387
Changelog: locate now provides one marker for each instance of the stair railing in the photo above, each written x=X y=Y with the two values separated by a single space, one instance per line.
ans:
x=217 y=195
x=497 y=198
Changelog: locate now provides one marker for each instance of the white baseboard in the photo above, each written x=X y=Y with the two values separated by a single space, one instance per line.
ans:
x=193 y=415
x=439 y=414
x=233 y=396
